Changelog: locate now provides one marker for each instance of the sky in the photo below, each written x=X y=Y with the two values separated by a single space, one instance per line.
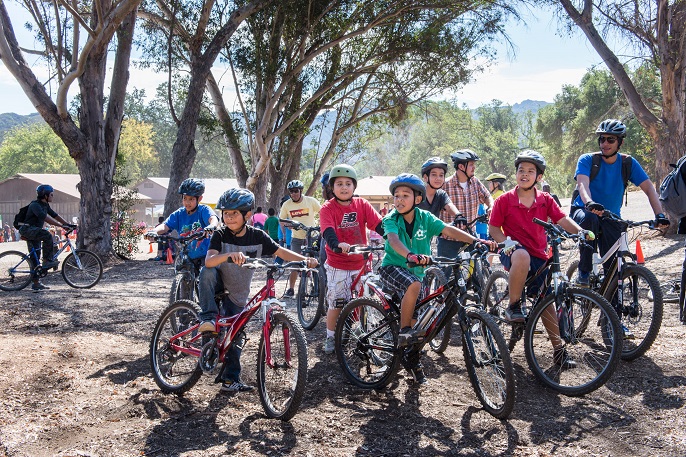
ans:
x=539 y=66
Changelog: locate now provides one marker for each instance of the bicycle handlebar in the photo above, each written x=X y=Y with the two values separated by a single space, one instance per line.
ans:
x=180 y=239
x=480 y=250
x=255 y=264
x=295 y=225
x=615 y=217
x=359 y=249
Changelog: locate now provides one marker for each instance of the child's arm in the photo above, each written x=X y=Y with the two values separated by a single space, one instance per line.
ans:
x=568 y=224
x=214 y=258
x=456 y=233
x=291 y=256
x=496 y=233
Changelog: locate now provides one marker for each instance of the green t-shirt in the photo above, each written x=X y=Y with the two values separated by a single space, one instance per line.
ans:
x=271 y=226
x=426 y=226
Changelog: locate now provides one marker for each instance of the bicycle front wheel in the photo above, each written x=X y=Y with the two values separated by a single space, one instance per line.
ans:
x=282 y=367
x=586 y=355
x=183 y=288
x=366 y=338
x=82 y=269
x=496 y=299
x=175 y=371
x=488 y=363
x=15 y=270
x=640 y=310
x=433 y=279
x=307 y=303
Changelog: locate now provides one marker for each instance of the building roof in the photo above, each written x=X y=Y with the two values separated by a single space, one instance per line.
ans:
x=374 y=186
x=62 y=182
x=214 y=187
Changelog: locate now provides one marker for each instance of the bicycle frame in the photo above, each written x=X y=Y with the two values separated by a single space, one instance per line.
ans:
x=34 y=253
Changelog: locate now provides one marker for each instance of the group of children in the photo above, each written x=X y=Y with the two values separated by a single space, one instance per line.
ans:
x=408 y=230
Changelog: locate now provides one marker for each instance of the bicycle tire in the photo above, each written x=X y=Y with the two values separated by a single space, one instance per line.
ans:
x=85 y=276
x=492 y=375
x=15 y=270
x=366 y=341
x=282 y=386
x=181 y=288
x=641 y=315
x=433 y=279
x=495 y=300
x=596 y=351
x=307 y=301
x=175 y=372
x=571 y=269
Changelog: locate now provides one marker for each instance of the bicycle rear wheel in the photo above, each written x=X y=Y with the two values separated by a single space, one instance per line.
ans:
x=490 y=367
x=366 y=338
x=307 y=303
x=433 y=279
x=595 y=346
x=640 y=311
x=183 y=287
x=82 y=269
x=282 y=372
x=496 y=298
x=15 y=270
x=175 y=371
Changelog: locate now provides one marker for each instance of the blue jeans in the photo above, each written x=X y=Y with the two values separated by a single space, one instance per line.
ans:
x=607 y=233
x=210 y=284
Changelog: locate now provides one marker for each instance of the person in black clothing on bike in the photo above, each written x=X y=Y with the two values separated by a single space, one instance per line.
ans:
x=32 y=230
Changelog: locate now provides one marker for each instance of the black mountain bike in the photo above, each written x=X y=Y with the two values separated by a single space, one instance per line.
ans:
x=186 y=270
x=578 y=320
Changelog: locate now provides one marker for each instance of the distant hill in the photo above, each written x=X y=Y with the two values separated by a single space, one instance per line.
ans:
x=529 y=105
x=11 y=120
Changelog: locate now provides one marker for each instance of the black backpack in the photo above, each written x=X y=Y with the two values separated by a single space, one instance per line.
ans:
x=595 y=168
x=20 y=217
x=673 y=190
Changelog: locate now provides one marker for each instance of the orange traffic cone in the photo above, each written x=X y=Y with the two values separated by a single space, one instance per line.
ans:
x=170 y=260
x=150 y=250
x=639 y=253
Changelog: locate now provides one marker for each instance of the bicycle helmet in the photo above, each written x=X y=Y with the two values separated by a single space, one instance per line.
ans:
x=296 y=184
x=342 y=171
x=612 y=127
x=43 y=190
x=434 y=162
x=325 y=179
x=236 y=199
x=412 y=181
x=531 y=156
x=463 y=156
x=497 y=177
x=192 y=187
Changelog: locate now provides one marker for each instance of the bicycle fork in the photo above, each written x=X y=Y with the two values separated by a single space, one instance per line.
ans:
x=266 y=332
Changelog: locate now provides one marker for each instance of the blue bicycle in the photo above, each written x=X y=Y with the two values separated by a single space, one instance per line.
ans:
x=81 y=269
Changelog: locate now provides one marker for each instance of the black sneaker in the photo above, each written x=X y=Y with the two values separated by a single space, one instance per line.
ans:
x=235 y=386
x=289 y=293
x=417 y=374
x=38 y=286
x=405 y=336
x=514 y=313
x=562 y=359
x=50 y=264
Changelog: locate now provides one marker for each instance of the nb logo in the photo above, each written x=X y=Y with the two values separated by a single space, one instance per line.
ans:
x=349 y=220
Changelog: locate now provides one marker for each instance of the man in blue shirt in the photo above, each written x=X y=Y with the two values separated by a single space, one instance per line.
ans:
x=606 y=191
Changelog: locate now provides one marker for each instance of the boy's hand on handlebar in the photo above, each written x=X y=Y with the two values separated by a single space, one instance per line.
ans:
x=237 y=257
x=209 y=230
x=344 y=247
x=150 y=236
x=312 y=262
x=595 y=208
x=661 y=221
x=419 y=259
x=587 y=235
x=492 y=245
x=460 y=220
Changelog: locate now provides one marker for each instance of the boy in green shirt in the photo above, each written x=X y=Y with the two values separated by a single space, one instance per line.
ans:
x=271 y=225
x=408 y=233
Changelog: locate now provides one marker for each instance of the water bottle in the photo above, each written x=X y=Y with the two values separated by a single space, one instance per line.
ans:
x=596 y=263
x=425 y=317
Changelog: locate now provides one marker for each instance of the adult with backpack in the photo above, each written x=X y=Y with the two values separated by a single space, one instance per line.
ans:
x=30 y=222
x=601 y=180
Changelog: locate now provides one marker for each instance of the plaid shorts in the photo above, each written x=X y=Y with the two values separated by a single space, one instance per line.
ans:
x=396 y=280
x=338 y=283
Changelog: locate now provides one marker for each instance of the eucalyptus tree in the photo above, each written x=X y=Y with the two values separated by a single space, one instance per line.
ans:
x=656 y=30
x=74 y=39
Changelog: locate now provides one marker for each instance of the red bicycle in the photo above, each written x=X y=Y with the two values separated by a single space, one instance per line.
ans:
x=179 y=354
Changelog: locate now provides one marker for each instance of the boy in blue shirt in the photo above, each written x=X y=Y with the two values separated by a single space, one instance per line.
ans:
x=408 y=232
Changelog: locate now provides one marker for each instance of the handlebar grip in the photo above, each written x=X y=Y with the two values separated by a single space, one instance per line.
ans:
x=413 y=264
x=542 y=223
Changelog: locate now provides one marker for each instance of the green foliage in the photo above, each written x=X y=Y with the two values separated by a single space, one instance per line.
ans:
x=125 y=230
x=34 y=149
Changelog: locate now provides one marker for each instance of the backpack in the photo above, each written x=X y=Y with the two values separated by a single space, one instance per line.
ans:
x=20 y=217
x=627 y=163
x=673 y=190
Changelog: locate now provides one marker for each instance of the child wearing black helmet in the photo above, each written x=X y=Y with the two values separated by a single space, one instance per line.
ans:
x=236 y=240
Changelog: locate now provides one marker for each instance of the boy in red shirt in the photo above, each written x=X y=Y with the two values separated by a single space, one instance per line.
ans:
x=526 y=244
x=344 y=221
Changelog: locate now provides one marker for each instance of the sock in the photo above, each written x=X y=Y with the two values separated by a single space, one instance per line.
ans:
x=330 y=333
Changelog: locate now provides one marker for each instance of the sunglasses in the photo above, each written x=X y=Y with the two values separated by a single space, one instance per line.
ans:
x=293 y=191
x=609 y=139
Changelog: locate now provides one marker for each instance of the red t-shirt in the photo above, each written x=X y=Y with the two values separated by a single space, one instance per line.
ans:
x=516 y=220
x=350 y=224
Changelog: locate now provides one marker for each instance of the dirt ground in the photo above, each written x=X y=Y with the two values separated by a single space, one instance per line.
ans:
x=75 y=381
